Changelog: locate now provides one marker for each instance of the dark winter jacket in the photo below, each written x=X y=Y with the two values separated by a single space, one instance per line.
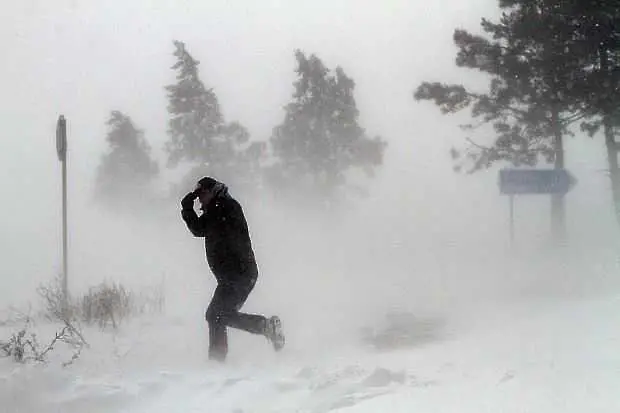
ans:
x=227 y=239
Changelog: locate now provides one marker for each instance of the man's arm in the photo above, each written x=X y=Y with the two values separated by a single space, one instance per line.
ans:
x=196 y=225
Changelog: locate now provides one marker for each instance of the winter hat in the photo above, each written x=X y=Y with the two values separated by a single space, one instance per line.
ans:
x=206 y=183
x=216 y=187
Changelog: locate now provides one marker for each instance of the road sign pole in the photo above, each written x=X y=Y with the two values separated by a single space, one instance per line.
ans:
x=512 y=219
x=65 y=259
x=558 y=218
x=61 y=148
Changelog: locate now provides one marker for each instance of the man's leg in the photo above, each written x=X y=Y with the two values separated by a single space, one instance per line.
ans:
x=218 y=338
x=218 y=341
x=257 y=324
x=224 y=311
x=237 y=295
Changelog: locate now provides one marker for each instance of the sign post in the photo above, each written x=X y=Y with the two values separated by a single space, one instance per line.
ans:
x=512 y=219
x=533 y=182
x=61 y=149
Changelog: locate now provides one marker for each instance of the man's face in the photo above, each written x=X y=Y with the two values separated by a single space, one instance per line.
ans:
x=204 y=196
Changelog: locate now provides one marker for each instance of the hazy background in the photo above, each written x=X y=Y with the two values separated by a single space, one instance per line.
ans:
x=426 y=238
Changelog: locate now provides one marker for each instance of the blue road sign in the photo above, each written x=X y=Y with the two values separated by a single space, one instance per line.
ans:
x=535 y=181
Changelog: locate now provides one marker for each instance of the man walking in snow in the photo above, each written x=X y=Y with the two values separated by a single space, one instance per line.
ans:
x=231 y=259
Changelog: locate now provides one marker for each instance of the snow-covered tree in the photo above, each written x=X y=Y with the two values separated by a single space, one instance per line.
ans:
x=197 y=130
x=127 y=169
x=320 y=138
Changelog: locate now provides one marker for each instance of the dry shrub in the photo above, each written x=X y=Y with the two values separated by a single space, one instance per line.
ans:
x=107 y=304
x=23 y=346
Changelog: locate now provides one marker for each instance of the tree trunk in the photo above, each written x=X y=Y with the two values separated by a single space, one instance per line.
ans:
x=612 y=160
x=558 y=207
x=610 y=141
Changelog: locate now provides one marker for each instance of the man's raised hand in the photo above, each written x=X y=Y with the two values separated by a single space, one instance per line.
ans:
x=188 y=200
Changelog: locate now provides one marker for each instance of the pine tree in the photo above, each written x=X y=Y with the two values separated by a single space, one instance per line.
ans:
x=532 y=98
x=591 y=35
x=596 y=29
x=198 y=132
x=320 y=138
x=127 y=169
x=196 y=120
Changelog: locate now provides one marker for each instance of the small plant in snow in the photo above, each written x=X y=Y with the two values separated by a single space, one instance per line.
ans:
x=56 y=309
x=23 y=346
x=107 y=304
x=16 y=346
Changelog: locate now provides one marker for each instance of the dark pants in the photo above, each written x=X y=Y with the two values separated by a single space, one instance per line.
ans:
x=223 y=312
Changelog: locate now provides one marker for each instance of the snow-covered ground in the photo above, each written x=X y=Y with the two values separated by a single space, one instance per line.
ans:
x=544 y=355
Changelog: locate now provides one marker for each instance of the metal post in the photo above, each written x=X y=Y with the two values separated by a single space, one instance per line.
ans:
x=65 y=259
x=61 y=147
x=512 y=219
